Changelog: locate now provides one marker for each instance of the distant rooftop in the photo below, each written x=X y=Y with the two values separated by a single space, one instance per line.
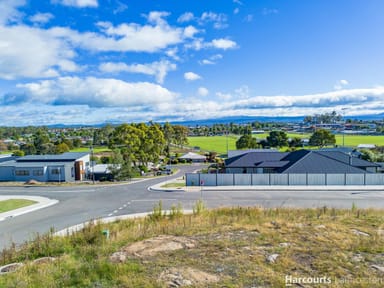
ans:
x=68 y=156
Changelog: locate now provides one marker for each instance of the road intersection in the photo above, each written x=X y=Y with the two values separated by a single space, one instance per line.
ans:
x=79 y=204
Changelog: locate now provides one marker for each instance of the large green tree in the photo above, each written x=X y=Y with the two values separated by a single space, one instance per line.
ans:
x=180 y=135
x=138 y=143
x=277 y=139
x=168 y=137
x=322 y=137
x=246 y=141
x=41 y=142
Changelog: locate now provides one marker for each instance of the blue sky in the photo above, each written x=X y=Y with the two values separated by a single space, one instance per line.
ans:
x=95 y=61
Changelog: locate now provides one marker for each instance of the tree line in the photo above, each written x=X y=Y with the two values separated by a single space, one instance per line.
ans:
x=320 y=138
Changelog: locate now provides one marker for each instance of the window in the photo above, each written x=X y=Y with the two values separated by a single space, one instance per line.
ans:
x=269 y=170
x=55 y=171
x=38 y=172
x=22 y=172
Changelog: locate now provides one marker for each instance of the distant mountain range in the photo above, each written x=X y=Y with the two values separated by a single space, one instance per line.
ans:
x=224 y=120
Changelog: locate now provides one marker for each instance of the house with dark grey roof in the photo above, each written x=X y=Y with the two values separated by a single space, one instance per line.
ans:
x=299 y=162
x=255 y=162
x=66 y=167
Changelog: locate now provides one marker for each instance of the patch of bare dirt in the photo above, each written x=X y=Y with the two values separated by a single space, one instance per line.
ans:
x=32 y=182
x=153 y=246
x=179 y=277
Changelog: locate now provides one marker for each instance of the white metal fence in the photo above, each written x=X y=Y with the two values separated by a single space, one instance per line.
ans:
x=194 y=179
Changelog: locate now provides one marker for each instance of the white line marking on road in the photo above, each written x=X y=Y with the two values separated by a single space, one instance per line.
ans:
x=115 y=211
x=109 y=215
x=153 y=200
x=120 y=208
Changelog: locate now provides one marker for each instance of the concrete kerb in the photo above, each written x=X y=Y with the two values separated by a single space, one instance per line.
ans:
x=271 y=188
x=43 y=202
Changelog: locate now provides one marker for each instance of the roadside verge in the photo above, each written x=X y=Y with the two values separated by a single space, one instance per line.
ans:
x=42 y=202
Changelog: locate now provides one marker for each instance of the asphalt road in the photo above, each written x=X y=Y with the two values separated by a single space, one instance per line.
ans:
x=78 y=204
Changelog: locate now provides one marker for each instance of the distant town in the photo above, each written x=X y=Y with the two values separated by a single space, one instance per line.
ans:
x=126 y=150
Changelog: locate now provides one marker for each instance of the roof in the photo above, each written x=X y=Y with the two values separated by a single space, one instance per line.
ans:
x=272 y=164
x=253 y=159
x=27 y=164
x=193 y=156
x=302 y=161
x=305 y=161
x=233 y=153
x=345 y=150
x=6 y=157
x=366 y=146
x=65 y=157
x=345 y=158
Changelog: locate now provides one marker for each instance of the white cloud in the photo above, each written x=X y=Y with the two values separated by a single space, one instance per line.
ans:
x=211 y=60
x=202 y=91
x=190 y=76
x=242 y=92
x=207 y=62
x=223 y=44
x=159 y=69
x=223 y=96
x=341 y=84
x=77 y=3
x=190 y=31
x=219 y=20
x=31 y=52
x=186 y=17
x=320 y=100
x=94 y=92
x=9 y=10
x=127 y=37
x=156 y=17
x=93 y=100
x=121 y=7
x=236 y=11
x=172 y=53
x=41 y=18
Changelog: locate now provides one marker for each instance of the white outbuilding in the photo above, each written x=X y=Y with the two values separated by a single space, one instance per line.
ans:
x=193 y=157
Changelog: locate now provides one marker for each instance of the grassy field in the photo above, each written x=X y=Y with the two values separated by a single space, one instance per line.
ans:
x=219 y=143
x=12 y=204
x=95 y=149
x=228 y=247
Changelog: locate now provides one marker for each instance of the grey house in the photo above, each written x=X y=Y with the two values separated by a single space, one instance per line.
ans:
x=299 y=162
x=66 y=167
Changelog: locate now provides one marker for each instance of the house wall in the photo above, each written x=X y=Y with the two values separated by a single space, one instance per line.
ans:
x=38 y=173
x=61 y=173
x=241 y=170
x=6 y=173
x=86 y=160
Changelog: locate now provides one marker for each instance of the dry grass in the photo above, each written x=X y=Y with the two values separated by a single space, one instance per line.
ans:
x=233 y=247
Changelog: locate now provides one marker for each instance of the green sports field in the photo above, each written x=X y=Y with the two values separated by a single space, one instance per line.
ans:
x=219 y=144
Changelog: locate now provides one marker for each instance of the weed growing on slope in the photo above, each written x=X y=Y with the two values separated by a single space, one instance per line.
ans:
x=233 y=247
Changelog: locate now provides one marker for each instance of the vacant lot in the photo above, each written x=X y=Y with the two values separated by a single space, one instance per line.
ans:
x=228 y=247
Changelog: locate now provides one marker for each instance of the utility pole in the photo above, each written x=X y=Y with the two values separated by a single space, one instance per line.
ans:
x=92 y=165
